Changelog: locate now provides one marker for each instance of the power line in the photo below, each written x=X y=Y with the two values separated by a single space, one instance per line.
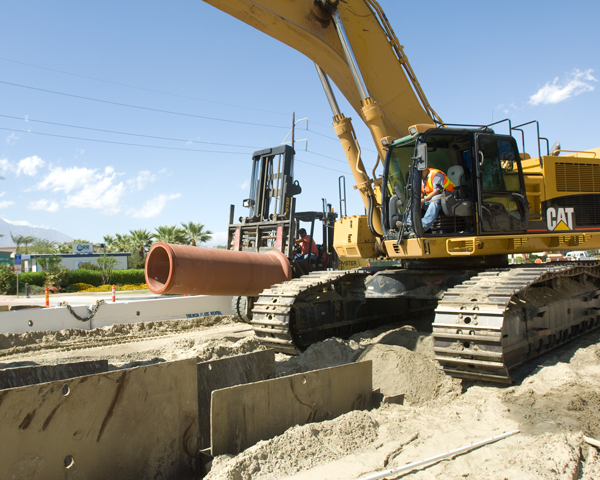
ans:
x=27 y=119
x=320 y=166
x=325 y=156
x=139 y=88
x=122 y=143
x=81 y=97
x=156 y=146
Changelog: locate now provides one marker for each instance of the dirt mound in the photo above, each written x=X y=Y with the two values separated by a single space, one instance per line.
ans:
x=335 y=351
x=397 y=370
x=328 y=353
x=300 y=448
x=408 y=337
x=209 y=350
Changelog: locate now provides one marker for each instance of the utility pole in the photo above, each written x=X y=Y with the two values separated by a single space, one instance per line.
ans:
x=293 y=127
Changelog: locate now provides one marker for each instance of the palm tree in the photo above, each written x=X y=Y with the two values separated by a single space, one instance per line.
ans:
x=122 y=243
x=109 y=243
x=169 y=234
x=195 y=233
x=141 y=240
x=66 y=247
x=19 y=240
x=43 y=245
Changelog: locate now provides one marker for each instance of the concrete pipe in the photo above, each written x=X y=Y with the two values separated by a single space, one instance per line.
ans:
x=182 y=269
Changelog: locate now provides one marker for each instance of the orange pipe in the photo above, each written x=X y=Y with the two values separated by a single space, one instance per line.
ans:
x=182 y=269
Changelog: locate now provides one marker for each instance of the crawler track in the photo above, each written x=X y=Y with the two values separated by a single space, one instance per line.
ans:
x=277 y=314
x=501 y=318
x=484 y=326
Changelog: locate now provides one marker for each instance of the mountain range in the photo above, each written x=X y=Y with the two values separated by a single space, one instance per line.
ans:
x=7 y=228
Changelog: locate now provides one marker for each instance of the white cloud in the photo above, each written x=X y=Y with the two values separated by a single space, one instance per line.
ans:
x=67 y=179
x=86 y=187
x=574 y=83
x=29 y=166
x=44 y=205
x=244 y=185
x=153 y=207
x=143 y=178
x=102 y=195
x=6 y=203
x=12 y=138
x=4 y=165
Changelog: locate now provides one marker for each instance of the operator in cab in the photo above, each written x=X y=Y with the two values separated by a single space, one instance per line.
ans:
x=307 y=246
x=433 y=183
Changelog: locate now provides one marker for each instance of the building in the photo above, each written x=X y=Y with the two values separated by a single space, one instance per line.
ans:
x=73 y=260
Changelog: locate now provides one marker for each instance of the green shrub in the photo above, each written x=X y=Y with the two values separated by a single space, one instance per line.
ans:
x=91 y=277
x=89 y=266
x=8 y=280
x=32 y=278
x=128 y=277
x=119 y=277
x=136 y=262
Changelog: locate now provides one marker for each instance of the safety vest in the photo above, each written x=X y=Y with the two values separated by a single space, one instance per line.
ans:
x=427 y=188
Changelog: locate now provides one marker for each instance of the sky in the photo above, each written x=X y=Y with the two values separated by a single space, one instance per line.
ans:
x=119 y=115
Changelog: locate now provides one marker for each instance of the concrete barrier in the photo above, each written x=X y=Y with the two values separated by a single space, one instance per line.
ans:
x=126 y=424
x=228 y=372
x=59 y=318
x=30 y=375
x=246 y=414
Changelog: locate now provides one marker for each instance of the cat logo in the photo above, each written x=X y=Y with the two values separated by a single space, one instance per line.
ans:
x=559 y=219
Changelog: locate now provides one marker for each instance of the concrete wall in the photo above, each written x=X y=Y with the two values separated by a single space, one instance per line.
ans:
x=59 y=318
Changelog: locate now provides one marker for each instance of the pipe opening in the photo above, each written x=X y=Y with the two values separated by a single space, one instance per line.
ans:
x=158 y=269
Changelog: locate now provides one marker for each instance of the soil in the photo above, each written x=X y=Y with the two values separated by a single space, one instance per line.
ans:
x=554 y=404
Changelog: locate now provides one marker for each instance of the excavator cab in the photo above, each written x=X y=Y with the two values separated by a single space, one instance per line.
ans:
x=487 y=193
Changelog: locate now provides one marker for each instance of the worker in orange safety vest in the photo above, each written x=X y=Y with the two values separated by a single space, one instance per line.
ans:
x=433 y=183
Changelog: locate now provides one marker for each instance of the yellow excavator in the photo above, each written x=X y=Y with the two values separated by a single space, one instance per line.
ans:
x=488 y=317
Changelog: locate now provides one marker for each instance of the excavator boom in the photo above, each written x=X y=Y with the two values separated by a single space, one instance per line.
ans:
x=306 y=26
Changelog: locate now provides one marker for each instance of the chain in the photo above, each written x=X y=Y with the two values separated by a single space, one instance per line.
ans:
x=93 y=311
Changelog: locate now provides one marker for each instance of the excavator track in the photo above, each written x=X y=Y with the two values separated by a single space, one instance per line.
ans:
x=273 y=312
x=486 y=324
x=502 y=318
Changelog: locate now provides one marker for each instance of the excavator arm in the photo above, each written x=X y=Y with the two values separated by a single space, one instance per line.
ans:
x=352 y=43
x=307 y=26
